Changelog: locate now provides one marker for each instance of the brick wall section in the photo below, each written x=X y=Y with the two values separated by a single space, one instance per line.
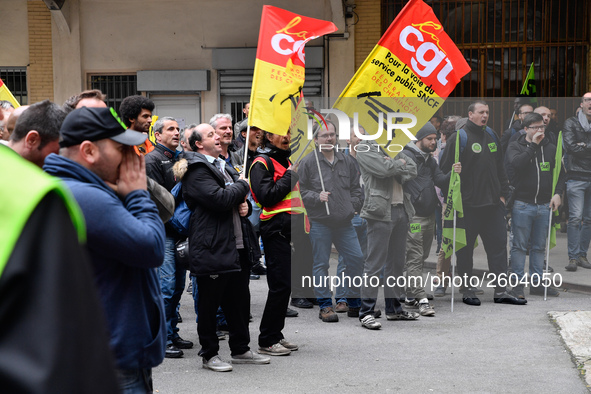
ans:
x=368 y=29
x=40 y=70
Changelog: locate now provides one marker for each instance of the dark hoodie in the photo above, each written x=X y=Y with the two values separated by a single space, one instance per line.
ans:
x=532 y=179
x=422 y=188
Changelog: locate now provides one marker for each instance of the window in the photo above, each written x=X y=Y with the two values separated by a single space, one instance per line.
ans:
x=116 y=87
x=15 y=79
x=501 y=38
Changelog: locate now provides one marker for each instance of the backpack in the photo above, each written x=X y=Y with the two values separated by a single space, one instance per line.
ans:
x=464 y=138
x=182 y=214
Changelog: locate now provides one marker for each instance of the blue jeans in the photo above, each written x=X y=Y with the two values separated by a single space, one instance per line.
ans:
x=172 y=284
x=345 y=241
x=135 y=381
x=578 y=230
x=529 y=225
x=360 y=226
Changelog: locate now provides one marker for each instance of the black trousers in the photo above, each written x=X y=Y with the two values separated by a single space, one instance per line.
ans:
x=278 y=260
x=489 y=222
x=231 y=292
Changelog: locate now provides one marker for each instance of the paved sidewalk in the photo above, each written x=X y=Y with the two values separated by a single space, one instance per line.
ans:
x=491 y=348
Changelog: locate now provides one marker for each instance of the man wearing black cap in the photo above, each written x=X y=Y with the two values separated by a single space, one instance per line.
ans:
x=422 y=226
x=125 y=235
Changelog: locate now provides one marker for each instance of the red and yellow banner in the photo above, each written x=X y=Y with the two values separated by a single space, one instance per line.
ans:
x=279 y=70
x=5 y=94
x=413 y=69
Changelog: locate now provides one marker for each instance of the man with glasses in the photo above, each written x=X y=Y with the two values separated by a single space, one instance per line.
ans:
x=532 y=157
x=577 y=144
x=331 y=206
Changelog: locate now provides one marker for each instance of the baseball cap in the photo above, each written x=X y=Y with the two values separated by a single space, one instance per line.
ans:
x=93 y=124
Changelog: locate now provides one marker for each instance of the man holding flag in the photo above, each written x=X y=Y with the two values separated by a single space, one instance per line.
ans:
x=533 y=158
x=484 y=190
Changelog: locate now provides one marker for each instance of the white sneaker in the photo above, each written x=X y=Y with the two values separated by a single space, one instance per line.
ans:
x=370 y=323
x=250 y=358
x=217 y=364
x=288 y=345
x=426 y=310
x=276 y=350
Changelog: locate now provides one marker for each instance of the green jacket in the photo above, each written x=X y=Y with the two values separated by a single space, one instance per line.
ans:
x=378 y=171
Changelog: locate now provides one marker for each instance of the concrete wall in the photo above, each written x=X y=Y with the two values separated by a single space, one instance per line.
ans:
x=107 y=36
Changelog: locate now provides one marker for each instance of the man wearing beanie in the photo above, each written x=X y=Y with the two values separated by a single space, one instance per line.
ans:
x=424 y=200
x=484 y=190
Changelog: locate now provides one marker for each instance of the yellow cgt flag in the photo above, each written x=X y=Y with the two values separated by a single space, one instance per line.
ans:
x=279 y=70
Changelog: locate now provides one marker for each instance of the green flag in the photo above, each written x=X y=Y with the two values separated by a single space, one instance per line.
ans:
x=555 y=175
x=529 y=85
x=454 y=203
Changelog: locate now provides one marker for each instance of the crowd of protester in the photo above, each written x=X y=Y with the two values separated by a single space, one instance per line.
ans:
x=186 y=200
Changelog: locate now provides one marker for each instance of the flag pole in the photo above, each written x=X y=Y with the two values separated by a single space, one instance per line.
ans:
x=244 y=169
x=453 y=262
x=548 y=251
x=321 y=180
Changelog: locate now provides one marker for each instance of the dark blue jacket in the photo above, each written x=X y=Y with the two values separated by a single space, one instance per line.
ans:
x=126 y=245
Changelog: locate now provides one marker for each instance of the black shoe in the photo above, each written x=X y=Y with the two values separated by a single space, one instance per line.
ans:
x=259 y=269
x=173 y=352
x=353 y=312
x=179 y=319
x=539 y=291
x=291 y=313
x=508 y=298
x=254 y=276
x=221 y=336
x=572 y=265
x=469 y=298
x=314 y=301
x=301 y=303
x=181 y=343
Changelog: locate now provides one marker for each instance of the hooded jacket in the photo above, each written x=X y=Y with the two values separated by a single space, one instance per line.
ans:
x=126 y=245
x=212 y=239
x=422 y=188
x=533 y=166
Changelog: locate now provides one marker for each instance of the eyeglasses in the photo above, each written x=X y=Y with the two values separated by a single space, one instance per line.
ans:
x=539 y=128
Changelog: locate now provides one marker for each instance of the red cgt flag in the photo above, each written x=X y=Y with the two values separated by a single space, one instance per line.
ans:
x=279 y=71
x=412 y=70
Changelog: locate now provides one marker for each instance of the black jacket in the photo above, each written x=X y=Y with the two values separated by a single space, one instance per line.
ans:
x=422 y=188
x=483 y=174
x=533 y=180
x=159 y=164
x=509 y=133
x=268 y=192
x=341 y=179
x=212 y=243
x=577 y=145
